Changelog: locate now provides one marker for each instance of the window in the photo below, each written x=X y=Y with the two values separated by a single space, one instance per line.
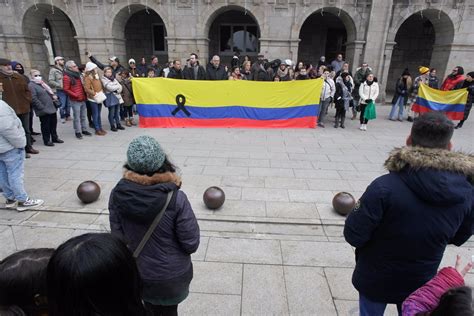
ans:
x=243 y=38
x=159 y=34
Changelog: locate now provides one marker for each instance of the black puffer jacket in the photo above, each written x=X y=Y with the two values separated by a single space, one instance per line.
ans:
x=218 y=73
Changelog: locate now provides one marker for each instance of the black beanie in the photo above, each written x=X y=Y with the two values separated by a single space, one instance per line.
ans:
x=471 y=74
x=405 y=72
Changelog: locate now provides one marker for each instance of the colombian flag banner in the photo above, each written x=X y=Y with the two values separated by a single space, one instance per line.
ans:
x=452 y=103
x=163 y=102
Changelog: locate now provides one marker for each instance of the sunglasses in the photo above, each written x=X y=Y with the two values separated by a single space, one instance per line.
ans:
x=37 y=76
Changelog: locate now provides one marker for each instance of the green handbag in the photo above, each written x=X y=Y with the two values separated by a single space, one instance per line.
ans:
x=369 y=112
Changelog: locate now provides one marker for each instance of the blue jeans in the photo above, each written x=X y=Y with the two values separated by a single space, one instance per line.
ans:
x=96 y=118
x=65 y=110
x=371 y=308
x=79 y=112
x=114 y=118
x=400 y=104
x=11 y=174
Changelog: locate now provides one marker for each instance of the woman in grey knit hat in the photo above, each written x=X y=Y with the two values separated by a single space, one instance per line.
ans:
x=165 y=260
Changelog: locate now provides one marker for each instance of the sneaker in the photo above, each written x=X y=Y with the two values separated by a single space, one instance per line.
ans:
x=11 y=204
x=361 y=127
x=29 y=204
x=79 y=135
x=120 y=127
x=365 y=127
x=86 y=133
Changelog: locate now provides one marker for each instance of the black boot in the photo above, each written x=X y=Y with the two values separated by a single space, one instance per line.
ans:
x=342 y=121
x=336 y=124
x=459 y=124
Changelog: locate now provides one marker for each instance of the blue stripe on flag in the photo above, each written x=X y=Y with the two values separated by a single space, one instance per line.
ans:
x=164 y=110
x=435 y=106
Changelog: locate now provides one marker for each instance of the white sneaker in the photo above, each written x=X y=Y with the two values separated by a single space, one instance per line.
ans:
x=361 y=127
x=365 y=127
x=11 y=204
x=29 y=204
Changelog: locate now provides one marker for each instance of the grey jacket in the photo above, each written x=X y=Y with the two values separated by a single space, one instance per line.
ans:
x=41 y=100
x=55 y=79
x=12 y=134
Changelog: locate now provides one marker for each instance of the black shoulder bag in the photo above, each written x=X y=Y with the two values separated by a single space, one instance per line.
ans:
x=153 y=225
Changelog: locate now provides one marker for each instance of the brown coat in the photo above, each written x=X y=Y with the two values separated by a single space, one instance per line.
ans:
x=92 y=86
x=127 y=92
x=16 y=93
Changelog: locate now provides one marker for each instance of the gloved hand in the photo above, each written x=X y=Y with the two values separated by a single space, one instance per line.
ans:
x=368 y=100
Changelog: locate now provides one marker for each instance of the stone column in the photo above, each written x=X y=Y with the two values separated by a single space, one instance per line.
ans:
x=376 y=36
x=354 y=53
x=445 y=57
x=387 y=58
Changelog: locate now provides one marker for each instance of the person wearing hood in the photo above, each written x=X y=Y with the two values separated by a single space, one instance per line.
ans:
x=343 y=98
x=400 y=98
x=95 y=95
x=44 y=102
x=17 y=94
x=401 y=225
x=469 y=85
x=150 y=188
x=454 y=79
x=215 y=71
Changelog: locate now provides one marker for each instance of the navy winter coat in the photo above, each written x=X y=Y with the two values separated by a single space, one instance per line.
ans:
x=403 y=222
x=134 y=203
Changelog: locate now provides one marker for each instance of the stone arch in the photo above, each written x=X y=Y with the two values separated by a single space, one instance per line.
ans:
x=423 y=38
x=239 y=26
x=62 y=31
x=348 y=33
x=211 y=14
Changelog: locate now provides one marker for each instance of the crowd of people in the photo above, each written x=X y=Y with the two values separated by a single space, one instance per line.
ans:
x=143 y=267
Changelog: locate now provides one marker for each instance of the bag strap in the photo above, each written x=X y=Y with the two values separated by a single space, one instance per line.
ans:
x=153 y=225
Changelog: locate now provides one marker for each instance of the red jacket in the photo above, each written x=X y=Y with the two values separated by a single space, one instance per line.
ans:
x=450 y=82
x=75 y=92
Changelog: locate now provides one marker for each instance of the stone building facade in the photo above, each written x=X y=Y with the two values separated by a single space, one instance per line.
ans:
x=390 y=35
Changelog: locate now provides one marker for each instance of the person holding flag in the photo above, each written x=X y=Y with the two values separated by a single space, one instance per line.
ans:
x=422 y=78
x=469 y=85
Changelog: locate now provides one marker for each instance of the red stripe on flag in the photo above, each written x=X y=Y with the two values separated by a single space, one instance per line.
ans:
x=172 y=122
x=455 y=116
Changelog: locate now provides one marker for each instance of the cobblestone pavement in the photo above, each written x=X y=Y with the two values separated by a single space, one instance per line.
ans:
x=275 y=248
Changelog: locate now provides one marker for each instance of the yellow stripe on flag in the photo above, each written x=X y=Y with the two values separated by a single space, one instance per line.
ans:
x=444 y=97
x=228 y=92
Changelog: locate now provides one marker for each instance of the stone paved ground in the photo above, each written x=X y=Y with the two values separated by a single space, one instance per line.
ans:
x=275 y=248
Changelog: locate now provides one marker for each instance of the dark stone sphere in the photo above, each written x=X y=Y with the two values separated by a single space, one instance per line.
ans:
x=343 y=203
x=213 y=197
x=88 y=191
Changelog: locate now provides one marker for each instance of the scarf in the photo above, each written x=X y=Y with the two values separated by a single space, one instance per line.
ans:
x=9 y=74
x=369 y=83
x=73 y=75
x=46 y=87
x=282 y=73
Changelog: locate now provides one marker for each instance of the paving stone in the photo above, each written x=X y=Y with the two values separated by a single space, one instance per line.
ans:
x=217 y=278
x=334 y=231
x=226 y=171
x=50 y=163
x=260 y=194
x=206 y=161
x=40 y=237
x=318 y=254
x=309 y=157
x=95 y=165
x=243 y=181
x=196 y=191
x=210 y=304
x=359 y=175
x=310 y=196
x=293 y=164
x=12 y=217
x=329 y=184
x=285 y=183
x=244 y=251
x=308 y=291
x=449 y=257
x=190 y=153
x=340 y=282
x=326 y=211
x=8 y=243
x=51 y=219
x=264 y=291
x=233 y=207
x=201 y=180
x=271 y=172
x=291 y=210
x=243 y=162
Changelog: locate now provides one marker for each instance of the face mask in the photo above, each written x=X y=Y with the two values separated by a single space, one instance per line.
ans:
x=38 y=79
x=20 y=71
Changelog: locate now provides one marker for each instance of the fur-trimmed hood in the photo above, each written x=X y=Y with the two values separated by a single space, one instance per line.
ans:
x=437 y=159
x=151 y=180
x=435 y=175
x=140 y=197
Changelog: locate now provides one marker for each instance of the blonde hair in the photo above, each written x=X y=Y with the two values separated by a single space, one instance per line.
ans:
x=32 y=71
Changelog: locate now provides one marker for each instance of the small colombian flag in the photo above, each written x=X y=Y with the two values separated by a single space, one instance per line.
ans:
x=452 y=103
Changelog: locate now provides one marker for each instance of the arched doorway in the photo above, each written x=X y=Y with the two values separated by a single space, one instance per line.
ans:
x=234 y=30
x=48 y=34
x=324 y=33
x=423 y=39
x=143 y=32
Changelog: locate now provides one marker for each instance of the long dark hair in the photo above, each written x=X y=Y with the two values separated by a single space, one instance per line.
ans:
x=23 y=279
x=455 y=302
x=94 y=274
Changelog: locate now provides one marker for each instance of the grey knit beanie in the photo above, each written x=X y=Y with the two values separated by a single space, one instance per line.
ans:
x=145 y=155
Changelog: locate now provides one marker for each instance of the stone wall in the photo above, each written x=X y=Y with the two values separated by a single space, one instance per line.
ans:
x=99 y=26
